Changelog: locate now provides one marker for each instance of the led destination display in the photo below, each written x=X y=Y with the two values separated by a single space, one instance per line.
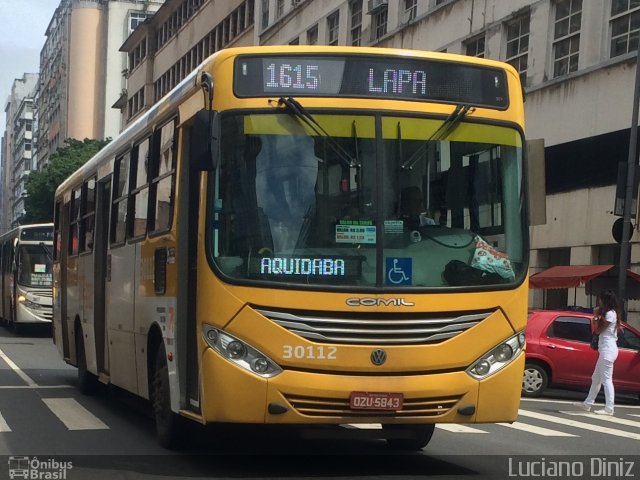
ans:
x=372 y=77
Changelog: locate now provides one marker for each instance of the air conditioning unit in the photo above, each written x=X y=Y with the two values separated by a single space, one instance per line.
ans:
x=376 y=5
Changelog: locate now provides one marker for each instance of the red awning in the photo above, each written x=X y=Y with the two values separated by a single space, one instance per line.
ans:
x=567 y=276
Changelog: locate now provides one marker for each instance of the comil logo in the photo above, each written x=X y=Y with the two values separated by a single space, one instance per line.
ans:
x=35 y=469
x=379 y=302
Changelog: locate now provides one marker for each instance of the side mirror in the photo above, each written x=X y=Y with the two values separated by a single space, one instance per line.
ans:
x=205 y=141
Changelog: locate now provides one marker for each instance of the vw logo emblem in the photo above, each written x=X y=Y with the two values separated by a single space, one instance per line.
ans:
x=378 y=357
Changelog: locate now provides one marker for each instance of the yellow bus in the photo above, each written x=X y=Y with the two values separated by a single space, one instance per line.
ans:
x=306 y=235
x=25 y=264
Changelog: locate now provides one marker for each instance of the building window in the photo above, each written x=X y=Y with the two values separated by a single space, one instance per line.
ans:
x=135 y=19
x=280 y=8
x=518 y=46
x=566 y=37
x=312 y=35
x=355 y=7
x=410 y=10
x=379 y=21
x=265 y=13
x=475 y=47
x=333 y=28
x=625 y=26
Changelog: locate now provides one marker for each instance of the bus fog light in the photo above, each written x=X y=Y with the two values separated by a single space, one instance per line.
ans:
x=503 y=353
x=240 y=353
x=497 y=357
x=236 y=349
x=482 y=368
x=260 y=365
x=212 y=335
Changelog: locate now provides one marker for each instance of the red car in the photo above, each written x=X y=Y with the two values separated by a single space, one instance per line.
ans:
x=558 y=353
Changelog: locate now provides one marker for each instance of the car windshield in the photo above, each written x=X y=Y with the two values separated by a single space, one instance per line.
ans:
x=34 y=265
x=367 y=201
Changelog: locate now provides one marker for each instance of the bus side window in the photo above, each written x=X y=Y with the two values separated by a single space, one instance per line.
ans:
x=139 y=195
x=119 y=205
x=163 y=178
x=88 y=212
x=74 y=224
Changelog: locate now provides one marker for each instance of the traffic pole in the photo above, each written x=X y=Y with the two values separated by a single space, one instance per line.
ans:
x=625 y=246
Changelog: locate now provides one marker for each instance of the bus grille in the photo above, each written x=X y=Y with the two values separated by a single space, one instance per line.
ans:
x=339 y=407
x=374 y=328
x=47 y=293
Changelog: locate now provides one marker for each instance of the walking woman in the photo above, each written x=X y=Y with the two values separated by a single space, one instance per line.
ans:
x=607 y=321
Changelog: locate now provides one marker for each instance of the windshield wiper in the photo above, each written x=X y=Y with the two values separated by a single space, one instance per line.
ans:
x=444 y=130
x=301 y=113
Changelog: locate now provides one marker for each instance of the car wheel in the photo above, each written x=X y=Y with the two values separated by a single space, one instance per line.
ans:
x=408 y=437
x=534 y=381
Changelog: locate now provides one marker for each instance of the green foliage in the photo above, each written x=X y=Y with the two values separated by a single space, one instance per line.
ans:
x=41 y=185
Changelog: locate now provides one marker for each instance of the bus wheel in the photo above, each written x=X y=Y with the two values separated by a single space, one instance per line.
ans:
x=87 y=381
x=408 y=437
x=167 y=422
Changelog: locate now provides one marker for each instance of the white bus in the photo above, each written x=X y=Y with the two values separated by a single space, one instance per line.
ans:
x=25 y=263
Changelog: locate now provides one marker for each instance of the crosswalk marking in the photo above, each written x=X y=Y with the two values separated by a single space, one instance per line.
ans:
x=363 y=426
x=3 y=425
x=619 y=421
x=457 y=428
x=26 y=378
x=576 y=424
x=74 y=415
x=546 y=432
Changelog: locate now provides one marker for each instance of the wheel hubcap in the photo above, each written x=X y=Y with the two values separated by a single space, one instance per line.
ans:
x=532 y=380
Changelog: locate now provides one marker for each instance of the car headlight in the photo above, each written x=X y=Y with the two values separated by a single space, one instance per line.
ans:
x=240 y=353
x=498 y=357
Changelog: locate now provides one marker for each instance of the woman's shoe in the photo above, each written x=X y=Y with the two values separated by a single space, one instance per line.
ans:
x=604 y=411
x=582 y=406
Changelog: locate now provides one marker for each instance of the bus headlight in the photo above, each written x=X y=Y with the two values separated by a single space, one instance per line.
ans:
x=497 y=358
x=240 y=353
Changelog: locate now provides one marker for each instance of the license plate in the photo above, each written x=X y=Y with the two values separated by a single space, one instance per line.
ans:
x=375 y=401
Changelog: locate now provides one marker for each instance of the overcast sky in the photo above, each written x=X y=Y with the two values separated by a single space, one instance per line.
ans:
x=22 y=27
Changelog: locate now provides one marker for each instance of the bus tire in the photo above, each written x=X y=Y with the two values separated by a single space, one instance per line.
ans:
x=87 y=381
x=413 y=437
x=167 y=422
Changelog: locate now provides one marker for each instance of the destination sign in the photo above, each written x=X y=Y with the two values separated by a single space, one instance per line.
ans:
x=398 y=78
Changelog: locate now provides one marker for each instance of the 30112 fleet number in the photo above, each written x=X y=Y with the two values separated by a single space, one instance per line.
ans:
x=311 y=352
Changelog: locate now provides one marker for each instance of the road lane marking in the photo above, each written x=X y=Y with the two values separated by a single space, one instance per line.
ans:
x=457 y=428
x=27 y=379
x=363 y=426
x=573 y=423
x=545 y=432
x=3 y=425
x=619 y=421
x=74 y=415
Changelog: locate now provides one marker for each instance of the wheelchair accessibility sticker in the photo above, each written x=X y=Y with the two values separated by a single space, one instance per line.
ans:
x=398 y=270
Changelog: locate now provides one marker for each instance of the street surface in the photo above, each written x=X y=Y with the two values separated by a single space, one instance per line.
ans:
x=47 y=425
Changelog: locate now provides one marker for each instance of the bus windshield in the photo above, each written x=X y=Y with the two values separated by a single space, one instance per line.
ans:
x=368 y=201
x=34 y=265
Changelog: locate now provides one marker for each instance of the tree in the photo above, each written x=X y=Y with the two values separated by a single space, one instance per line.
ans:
x=41 y=184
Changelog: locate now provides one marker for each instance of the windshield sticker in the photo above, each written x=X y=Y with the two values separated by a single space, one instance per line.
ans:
x=393 y=226
x=40 y=268
x=356 y=231
x=398 y=270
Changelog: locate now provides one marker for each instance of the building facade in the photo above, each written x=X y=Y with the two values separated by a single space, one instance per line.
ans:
x=82 y=71
x=17 y=149
x=576 y=60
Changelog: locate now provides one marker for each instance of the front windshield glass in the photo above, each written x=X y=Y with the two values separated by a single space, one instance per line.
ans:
x=351 y=209
x=34 y=265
